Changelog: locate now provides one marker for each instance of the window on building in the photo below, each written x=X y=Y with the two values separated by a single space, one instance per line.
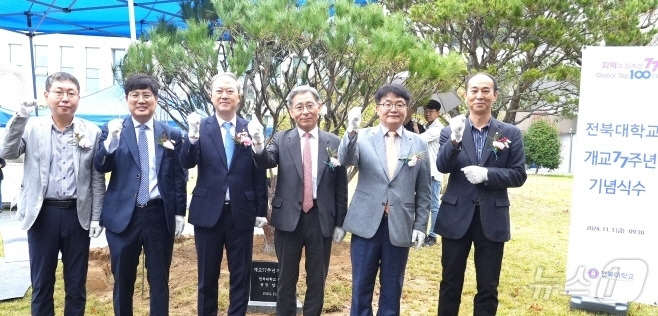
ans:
x=40 y=65
x=117 y=60
x=67 y=59
x=14 y=55
x=93 y=69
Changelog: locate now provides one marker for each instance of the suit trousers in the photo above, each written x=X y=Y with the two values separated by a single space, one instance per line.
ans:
x=58 y=229
x=488 y=261
x=368 y=256
x=147 y=229
x=307 y=235
x=210 y=243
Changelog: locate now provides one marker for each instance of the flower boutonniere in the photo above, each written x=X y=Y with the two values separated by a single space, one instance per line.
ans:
x=80 y=137
x=411 y=160
x=499 y=143
x=165 y=142
x=242 y=139
x=333 y=158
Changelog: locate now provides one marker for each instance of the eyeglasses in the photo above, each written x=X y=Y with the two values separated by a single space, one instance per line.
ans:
x=300 y=107
x=136 y=96
x=398 y=105
x=60 y=94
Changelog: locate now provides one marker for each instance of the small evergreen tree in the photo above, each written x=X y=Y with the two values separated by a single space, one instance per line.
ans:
x=541 y=142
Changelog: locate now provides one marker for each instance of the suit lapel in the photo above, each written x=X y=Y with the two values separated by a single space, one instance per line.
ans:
x=158 y=133
x=468 y=146
x=494 y=127
x=295 y=150
x=130 y=138
x=213 y=133
x=378 y=143
x=323 y=156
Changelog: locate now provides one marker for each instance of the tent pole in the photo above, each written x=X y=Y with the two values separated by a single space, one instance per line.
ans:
x=30 y=34
x=131 y=17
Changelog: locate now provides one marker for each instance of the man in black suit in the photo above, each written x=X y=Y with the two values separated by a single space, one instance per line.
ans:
x=229 y=199
x=484 y=157
x=310 y=202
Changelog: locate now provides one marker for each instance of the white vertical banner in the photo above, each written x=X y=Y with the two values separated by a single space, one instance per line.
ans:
x=613 y=239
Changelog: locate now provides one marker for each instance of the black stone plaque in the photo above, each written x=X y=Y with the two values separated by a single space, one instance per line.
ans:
x=264 y=279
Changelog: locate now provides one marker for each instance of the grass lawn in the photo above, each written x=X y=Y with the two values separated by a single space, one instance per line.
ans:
x=532 y=279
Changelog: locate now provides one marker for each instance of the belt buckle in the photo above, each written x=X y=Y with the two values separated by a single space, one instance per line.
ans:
x=141 y=206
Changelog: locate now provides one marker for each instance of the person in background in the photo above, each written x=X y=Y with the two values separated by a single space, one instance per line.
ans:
x=390 y=206
x=146 y=196
x=484 y=157
x=309 y=207
x=431 y=136
x=61 y=194
x=411 y=125
x=229 y=199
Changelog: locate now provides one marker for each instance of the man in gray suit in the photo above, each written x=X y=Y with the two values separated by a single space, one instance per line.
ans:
x=390 y=206
x=310 y=202
x=61 y=194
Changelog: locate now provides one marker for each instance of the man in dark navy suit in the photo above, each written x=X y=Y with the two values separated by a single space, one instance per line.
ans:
x=484 y=157
x=229 y=199
x=146 y=199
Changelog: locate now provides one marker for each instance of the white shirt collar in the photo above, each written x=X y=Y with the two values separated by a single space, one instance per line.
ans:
x=148 y=123
x=385 y=130
x=314 y=132
x=221 y=120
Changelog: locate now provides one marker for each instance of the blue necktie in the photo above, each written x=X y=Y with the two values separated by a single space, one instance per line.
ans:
x=229 y=144
x=143 y=146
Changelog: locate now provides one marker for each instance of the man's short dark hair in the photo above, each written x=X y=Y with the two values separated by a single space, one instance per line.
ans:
x=139 y=82
x=395 y=89
x=59 y=77
x=495 y=84
x=433 y=105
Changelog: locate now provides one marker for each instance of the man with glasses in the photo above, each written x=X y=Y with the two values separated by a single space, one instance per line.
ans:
x=431 y=136
x=390 y=206
x=146 y=196
x=310 y=202
x=61 y=194
x=229 y=199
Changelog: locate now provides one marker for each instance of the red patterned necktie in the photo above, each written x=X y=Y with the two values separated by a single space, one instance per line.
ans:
x=307 y=165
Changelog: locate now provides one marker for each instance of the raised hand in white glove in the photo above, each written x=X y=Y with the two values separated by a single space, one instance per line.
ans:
x=354 y=119
x=418 y=238
x=114 y=128
x=180 y=224
x=475 y=174
x=457 y=125
x=193 y=125
x=260 y=222
x=339 y=234
x=256 y=131
x=26 y=108
x=95 y=229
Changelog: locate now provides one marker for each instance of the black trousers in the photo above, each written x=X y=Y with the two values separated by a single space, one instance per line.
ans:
x=488 y=261
x=308 y=236
x=58 y=229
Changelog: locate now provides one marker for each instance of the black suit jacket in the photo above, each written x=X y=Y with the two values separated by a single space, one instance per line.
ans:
x=284 y=151
x=247 y=184
x=505 y=169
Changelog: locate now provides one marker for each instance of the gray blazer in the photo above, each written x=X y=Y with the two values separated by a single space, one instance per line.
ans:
x=408 y=192
x=284 y=151
x=32 y=137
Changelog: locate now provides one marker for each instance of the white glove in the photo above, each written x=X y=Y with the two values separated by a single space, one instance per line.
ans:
x=180 y=224
x=95 y=229
x=354 y=119
x=26 y=108
x=260 y=222
x=475 y=174
x=114 y=128
x=256 y=131
x=457 y=125
x=339 y=234
x=194 y=125
x=418 y=238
